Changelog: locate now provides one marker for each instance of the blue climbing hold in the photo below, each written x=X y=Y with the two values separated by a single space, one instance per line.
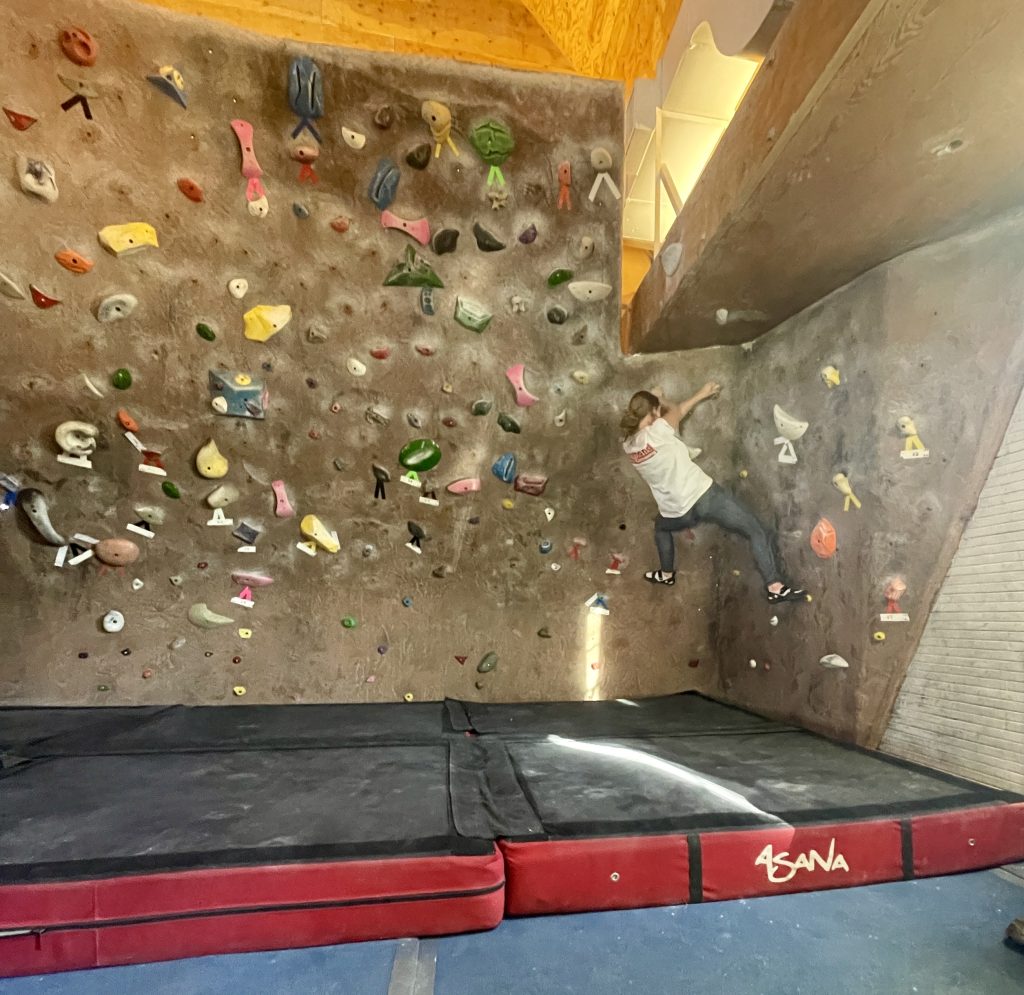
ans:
x=504 y=468
x=407 y=602
x=384 y=184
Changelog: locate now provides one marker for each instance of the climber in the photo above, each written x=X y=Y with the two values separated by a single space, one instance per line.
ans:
x=685 y=494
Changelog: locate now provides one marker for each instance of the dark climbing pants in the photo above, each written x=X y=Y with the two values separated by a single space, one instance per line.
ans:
x=719 y=507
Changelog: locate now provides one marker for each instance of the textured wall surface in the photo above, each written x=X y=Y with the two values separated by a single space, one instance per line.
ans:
x=933 y=335
x=496 y=590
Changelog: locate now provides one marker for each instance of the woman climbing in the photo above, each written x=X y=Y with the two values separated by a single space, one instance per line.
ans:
x=685 y=494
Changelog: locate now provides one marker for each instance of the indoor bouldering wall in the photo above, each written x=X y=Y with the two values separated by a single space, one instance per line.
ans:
x=248 y=287
x=903 y=382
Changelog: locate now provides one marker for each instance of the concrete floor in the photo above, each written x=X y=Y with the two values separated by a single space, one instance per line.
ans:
x=938 y=937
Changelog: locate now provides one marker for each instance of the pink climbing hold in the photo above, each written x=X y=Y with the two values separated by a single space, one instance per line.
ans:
x=419 y=229
x=251 y=578
x=283 y=508
x=467 y=485
x=251 y=169
x=515 y=376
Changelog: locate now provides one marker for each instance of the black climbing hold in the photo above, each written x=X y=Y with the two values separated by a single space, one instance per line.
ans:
x=475 y=520
x=416 y=531
x=481 y=407
x=508 y=424
x=557 y=315
x=444 y=241
x=419 y=157
x=485 y=240
x=300 y=210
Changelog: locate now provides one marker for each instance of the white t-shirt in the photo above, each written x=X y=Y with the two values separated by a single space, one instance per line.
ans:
x=663 y=460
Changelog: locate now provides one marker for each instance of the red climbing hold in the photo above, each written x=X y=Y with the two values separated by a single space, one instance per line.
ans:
x=19 y=121
x=191 y=189
x=40 y=299
x=381 y=353
x=461 y=659
x=424 y=350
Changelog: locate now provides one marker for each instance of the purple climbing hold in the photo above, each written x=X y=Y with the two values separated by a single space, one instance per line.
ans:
x=529 y=235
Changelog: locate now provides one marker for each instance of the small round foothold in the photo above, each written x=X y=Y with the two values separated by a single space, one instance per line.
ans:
x=382 y=649
x=208 y=654
x=349 y=622
x=449 y=422
x=545 y=547
x=83 y=656
x=879 y=637
x=177 y=580
x=113 y=621
x=236 y=659
x=245 y=633
x=614 y=875
x=79 y=46
x=170 y=489
x=735 y=573
x=102 y=687
x=447 y=388
x=204 y=331
x=238 y=287
x=126 y=652
x=753 y=664
x=202 y=565
x=744 y=474
x=147 y=674
x=384 y=117
x=508 y=504
x=122 y=379
x=407 y=601
x=238 y=690
x=408 y=696
x=300 y=211
x=774 y=620
x=557 y=315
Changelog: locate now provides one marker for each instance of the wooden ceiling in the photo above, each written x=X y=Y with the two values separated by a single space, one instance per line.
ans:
x=607 y=39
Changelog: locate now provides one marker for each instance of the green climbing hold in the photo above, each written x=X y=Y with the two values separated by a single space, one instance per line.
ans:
x=102 y=687
x=481 y=407
x=487 y=664
x=471 y=314
x=508 y=424
x=349 y=622
x=122 y=379
x=493 y=142
x=170 y=489
x=420 y=455
x=204 y=331
x=412 y=271
x=559 y=276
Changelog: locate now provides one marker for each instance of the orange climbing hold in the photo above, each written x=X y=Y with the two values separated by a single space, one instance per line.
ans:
x=126 y=421
x=823 y=539
x=74 y=261
x=191 y=189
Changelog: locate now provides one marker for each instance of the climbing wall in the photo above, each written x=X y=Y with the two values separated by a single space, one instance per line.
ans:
x=335 y=376
x=902 y=382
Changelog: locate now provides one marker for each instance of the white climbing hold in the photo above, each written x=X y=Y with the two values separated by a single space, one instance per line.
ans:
x=560 y=419
x=549 y=513
x=671 y=255
x=222 y=496
x=834 y=662
x=581 y=377
x=260 y=207
x=356 y=368
x=199 y=614
x=589 y=290
x=113 y=622
x=137 y=584
x=353 y=139
x=238 y=287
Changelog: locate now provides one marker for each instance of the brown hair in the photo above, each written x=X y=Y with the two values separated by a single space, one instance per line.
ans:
x=641 y=404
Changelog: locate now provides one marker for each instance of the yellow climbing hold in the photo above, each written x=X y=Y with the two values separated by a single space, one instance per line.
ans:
x=210 y=462
x=266 y=320
x=508 y=504
x=879 y=637
x=245 y=633
x=744 y=474
x=238 y=690
x=243 y=379
x=134 y=235
x=409 y=696
x=312 y=528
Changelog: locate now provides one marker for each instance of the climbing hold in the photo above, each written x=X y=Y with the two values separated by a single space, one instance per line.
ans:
x=355 y=367
x=559 y=276
x=210 y=463
x=498 y=196
x=557 y=315
x=878 y=637
x=834 y=662
x=528 y=235
x=375 y=417
x=504 y=468
x=171 y=490
x=418 y=535
x=282 y=505
x=41 y=300
x=565 y=185
x=81 y=94
x=312 y=528
x=549 y=514
x=300 y=210
x=517 y=304
x=493 y=142
x=531 y=483
x=265 y=320
x=204 y=331
x=465 y=485
x=384 y=184
x=37 y=178
x=790 y=429
x=10 y=289
x=412 y=271
x=116 y=552
x=487 y=663
x=515 y=377
x=841 y=482
x=419 y=157
x=486 y=241
x=382 y=352
x=544 y=547
x=191 y=189
x=113 y=621
x=471 y=314
x=583 y=247
x=305 y=94
x=384 y=117
x=341 y=224
x=481 y=407
x=439 y=119
x=74 y=262
x=122 y=379
x=589 y=290
x=743 y=474
x=823 y=539
x=127 y=238
x=222 y=496
x=20 y=121
x=913 y=447
x=238 y=690
x=126 y=421
x=33 y=503
x=353 y=139
x=444 y=241
x=238 y=394
x=427 y=307
x=831 y=377
x=115 y=307
x=420 y=455
x=349 y=622
x=449 y=422
x=508 y=424
x=168 y=80
x=418 y=229
x=238 y=287
x=408 y=696
x=560 y=419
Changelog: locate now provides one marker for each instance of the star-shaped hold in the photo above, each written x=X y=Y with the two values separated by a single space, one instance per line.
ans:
x=498 y=196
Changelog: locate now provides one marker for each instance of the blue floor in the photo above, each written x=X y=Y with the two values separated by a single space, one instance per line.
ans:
x=941 y=936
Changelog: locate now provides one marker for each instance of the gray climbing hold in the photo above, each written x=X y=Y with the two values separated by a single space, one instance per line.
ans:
x=584 y=247
x=444 y=241
x=339 y=464
x=380 y=473
x=557 y=315
x=486 y=241
x=375 y=417
x=488 y=663
x=300 y=211
x=580 y=335
x=414 y=420
x=316 y=334
x=670 y=257
x=33 y=503
x=115 y=307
